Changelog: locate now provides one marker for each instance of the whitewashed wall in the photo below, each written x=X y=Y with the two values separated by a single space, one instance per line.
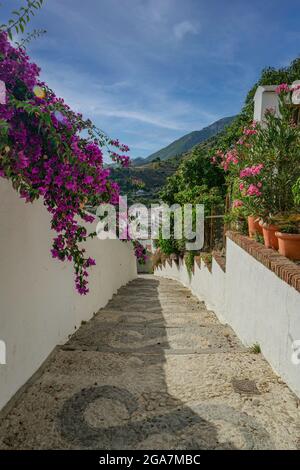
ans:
x=39 y=306
x=263 y=309
x=260 y=307
x=207 y=286
x=265 y=98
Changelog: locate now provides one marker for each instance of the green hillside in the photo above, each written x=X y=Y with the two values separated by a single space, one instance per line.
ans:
x=143 y=182
x=187 y=142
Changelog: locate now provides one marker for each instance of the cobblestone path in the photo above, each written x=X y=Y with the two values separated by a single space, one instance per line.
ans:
x=154 y=369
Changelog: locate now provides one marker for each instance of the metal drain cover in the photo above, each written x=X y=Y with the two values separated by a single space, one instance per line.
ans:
x=245 y=386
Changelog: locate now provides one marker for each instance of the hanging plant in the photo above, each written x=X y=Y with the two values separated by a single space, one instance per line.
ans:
x=48 y=151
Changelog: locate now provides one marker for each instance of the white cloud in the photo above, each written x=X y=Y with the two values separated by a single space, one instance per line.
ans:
x=140 y=103
x=185 y=27
x=138 y=115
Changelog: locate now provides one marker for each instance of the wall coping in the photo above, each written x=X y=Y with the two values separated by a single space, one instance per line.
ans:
x=285 y=269
x=220 y=260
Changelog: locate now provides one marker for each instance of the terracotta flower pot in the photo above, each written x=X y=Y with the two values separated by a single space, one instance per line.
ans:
x=253 y=226
x=270 y=239
x=289 y=245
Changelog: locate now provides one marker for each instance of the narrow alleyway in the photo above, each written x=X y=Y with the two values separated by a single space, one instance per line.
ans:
x=154 y=370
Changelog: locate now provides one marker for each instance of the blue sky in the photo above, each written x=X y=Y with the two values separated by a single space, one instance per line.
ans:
x=149 y=71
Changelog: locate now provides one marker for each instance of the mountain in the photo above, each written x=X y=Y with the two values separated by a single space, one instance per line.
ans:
x=142 y=182
x=186 y=143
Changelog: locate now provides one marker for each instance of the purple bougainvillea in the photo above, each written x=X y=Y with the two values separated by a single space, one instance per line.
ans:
x=49 y=151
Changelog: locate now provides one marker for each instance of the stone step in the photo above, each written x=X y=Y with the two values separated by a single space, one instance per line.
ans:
x=122 y=337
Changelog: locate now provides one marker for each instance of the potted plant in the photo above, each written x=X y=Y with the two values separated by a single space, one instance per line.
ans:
x=277 y=144
x=262 y=168
x=254 y=226
x=289 y=240
x=269 y=228
x=242 y=211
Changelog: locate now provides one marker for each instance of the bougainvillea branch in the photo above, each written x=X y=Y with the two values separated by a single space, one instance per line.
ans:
x=140 y=252
x=21 y=17
x=36 y=33
x=48 y=151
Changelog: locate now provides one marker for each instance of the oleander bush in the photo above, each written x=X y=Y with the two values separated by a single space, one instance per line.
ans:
x=263 y=167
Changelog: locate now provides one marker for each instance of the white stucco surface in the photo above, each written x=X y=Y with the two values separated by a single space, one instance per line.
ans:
x=39 y=306
x=260 y=307
x=263 y=309
x=207 y=286
x=265 y=98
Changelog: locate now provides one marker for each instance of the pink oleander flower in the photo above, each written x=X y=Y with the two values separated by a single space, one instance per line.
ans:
x=217 y=158
x=237 y=203
x=253 y=190
x=248 y=132
x=251 y=171
x=282 y=88
x=231 y=157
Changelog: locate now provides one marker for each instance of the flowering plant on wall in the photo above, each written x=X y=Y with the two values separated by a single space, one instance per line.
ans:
x=140 y=252
x=264 y=164
x=49 y=151
x=242 y=172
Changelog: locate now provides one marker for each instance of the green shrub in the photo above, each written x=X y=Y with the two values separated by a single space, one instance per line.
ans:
x=255 y=348
x=189 y=261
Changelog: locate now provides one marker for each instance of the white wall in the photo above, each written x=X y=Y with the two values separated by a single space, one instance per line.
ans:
x=265 y=98
x=260 y=307
x=207 y=286
x=263 y=309
x=39 y=306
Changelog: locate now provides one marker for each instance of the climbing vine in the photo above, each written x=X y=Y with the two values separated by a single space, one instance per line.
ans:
x=48 y=151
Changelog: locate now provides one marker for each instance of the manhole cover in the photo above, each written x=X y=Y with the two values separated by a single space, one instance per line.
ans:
x=245 y=386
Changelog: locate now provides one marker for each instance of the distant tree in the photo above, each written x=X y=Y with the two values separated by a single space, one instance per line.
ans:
x=195 y=172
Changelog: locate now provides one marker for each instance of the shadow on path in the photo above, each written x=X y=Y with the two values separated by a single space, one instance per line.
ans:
x=142 y=326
